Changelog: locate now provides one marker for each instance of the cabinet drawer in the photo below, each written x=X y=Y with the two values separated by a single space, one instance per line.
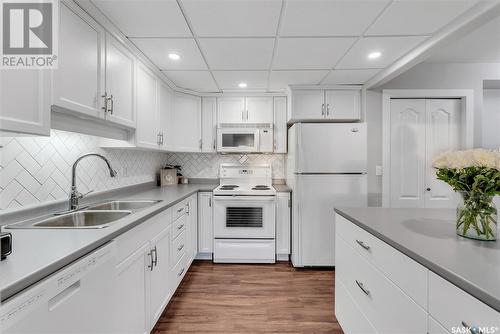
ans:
x=178 y=247
x=409 y=275
x=455 y=309
x=179 y=209
x=389 y=309
x=348 y=314
x=179 y=226
x=178 y=272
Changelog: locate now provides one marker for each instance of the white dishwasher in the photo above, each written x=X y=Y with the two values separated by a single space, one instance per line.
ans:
x=75 y=299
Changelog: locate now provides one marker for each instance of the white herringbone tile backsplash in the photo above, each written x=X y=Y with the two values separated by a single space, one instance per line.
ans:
x=204 y=165
x=38 y=169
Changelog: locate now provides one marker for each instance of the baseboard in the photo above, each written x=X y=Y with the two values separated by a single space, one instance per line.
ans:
x=283 y=257
x=204 y=256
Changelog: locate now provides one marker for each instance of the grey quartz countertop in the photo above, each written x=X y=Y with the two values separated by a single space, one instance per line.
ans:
x=428 y=237
x=282 y=188
x=38 y=253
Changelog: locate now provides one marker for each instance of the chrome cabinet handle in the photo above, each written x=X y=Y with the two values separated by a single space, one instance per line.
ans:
x=201 y=144
x=105 y=97
x=210 y=201
x=180 y=272
x=180 y=209
x=180 y=227
x=180 y=247
x=328 y=109
x=361 y=286
x=188 y=208
x=155 y=261
x=214 y=145
x=110 y=99
x=151 y=265
x=362 y=244
x=242 y=112
x=323 y=109
x=247 y=115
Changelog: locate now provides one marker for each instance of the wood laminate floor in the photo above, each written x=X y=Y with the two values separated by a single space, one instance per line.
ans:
x=235 y=298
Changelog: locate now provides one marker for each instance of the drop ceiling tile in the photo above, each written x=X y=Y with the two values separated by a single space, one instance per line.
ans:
x=310 y=53
x=199 y=81
x=391 y=48
x=229 y=80
x=238 y=53
x=233 y=18
x=417 y=17
x=329 y=18
x=339 y=77
x=281 y=79
x=146 y=18
x=157 y=49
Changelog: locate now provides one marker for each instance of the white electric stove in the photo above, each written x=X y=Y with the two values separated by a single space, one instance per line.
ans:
x=244 y=215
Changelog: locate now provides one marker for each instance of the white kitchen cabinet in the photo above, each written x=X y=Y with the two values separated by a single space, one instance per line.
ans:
x=283 y=226
x=25 y=97
x=160 y=274
x=251 y=109
x=192 y=228
x=147 y=135
x=230 y=110
x=209 y=124
x=325 y=105
x=78 y=85
x=259 y=109
x=187 y=123
x=280 y=126
x=205 y=225
x=120 y=69
x=165 y=116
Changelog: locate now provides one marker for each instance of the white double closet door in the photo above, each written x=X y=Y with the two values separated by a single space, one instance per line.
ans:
x=420 y=130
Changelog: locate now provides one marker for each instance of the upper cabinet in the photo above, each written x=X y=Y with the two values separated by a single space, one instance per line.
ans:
x=208 y=124
x=165 y=116
x=147 y=133
x=280 y=126
x=237 y=110
x=325 y=105
x=187 y=123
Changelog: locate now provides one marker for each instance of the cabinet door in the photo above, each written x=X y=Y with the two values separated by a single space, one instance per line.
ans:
x=79 y=80
x=132 y=286
x=192 y=228
x=231 y=110
x=119 y=83
x=205 y=222
x=259 y=110
x=343 y=104
x=165 y=114
x=209 y=124
x=25 y=101
x=147 y=135
x=160 y=275
x=308 y=104
x=187 y=120
x=280 y=126
x=283 y=224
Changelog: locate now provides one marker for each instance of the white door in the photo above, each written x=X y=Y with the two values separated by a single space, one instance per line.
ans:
x=421 y=129
x=209 y=124
x=160 y=275
x=187 y=121
x=25 y=101
x=230 y=110
x=79 y=80
x=205 y=223
x=119 y=83
x=165 y=116
x=280 y=126
x=308 y=104
x=259 y=110
x=343 y=104
x=147 y=135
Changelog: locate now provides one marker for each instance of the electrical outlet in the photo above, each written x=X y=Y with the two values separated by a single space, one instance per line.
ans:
x=379 y=170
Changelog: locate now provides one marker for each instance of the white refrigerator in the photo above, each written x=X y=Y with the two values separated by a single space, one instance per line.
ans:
x=326 y=168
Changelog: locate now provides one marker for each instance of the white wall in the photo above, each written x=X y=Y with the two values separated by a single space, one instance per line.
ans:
x=433 y=76
x=491 y=115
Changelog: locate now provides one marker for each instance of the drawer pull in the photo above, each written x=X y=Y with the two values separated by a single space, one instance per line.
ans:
x=361 y=286
x=180 y=247
x=473 y=330
x=180 y=227
x=362 y=244
x=180 y=272
x=180 y=209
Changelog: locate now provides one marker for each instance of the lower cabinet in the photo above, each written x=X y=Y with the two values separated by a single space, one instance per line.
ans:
x=283 y=225
x=205 y=226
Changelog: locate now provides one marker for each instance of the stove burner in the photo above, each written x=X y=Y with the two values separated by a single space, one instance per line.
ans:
x=228 y=187
x=261 y=187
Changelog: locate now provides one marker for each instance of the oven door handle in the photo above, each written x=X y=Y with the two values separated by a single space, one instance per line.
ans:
x=222 y=198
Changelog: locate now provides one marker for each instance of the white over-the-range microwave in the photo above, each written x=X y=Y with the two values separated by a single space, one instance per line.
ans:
x=248 y=138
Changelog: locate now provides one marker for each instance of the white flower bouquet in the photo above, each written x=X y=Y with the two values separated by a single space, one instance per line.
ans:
x=475 y=174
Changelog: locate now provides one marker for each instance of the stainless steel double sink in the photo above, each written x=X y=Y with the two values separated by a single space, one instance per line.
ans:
x=95 y=216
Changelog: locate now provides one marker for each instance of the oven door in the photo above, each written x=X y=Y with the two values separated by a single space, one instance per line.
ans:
x=244 y=216
x=237 y=140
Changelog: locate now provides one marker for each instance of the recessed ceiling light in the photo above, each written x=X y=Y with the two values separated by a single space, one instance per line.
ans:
x=174 y=56
x=374 y=55
x=242 y=85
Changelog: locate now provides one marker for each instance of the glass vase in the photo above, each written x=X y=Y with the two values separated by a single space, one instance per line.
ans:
x=476 y=216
